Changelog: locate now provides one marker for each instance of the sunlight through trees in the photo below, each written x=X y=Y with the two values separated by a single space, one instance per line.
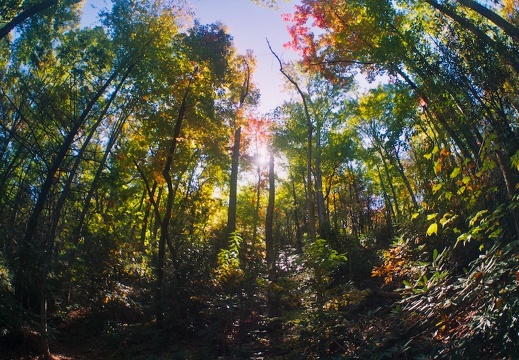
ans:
x=149 y=209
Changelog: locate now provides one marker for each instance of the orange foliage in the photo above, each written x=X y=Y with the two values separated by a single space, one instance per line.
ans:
x=395 y=267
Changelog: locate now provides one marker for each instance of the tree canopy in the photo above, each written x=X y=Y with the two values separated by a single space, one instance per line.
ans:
x=149 y=207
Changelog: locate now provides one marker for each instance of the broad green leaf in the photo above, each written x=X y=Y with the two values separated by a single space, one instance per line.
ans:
x=435 y=254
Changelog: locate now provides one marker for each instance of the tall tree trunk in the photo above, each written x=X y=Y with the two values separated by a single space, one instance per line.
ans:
x=404 y=177
x=269 y=222
x=50 y=177
x=25 y=14
x=164 y=228
x=324 y=225
x=233 y=191
x=506 y=26
x=299 y=244
x=26 y=250
x=309 y=195
x=269 y=239
x=147 y=212
x=256 y=210
x=500 y=48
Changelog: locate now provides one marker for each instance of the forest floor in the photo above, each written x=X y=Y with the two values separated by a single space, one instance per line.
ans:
x=86 y=335
x=82 y=337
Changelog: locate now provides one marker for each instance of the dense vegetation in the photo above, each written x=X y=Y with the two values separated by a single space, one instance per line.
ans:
x=148 y=210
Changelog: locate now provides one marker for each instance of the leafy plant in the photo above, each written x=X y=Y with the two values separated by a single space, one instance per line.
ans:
x=229 y=274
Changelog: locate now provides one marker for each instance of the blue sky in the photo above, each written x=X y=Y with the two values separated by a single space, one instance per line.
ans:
x=250 y=25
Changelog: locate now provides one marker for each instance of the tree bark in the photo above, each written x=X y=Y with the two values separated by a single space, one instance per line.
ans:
x=508 y=56
x=269 y=241
x=233 y=193
x=25 y=14
x=256 y=210
x=324 y=225
x=507 y=27
x=269 y=222
x=164 y=234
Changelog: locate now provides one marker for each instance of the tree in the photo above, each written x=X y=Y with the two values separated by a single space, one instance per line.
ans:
x=310 y=128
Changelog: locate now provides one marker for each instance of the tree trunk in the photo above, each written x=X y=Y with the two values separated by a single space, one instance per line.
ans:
x=269 y=222
x=145 y=221
x=299 y=244
x=164 y=228
x=269 y=241
x=256 y=210
x=507 y=27
x=58 y=160
x=324 y=225
x=27 y=257
x=309 y=195
x=507 y=56
x=233 y=191
x=25 y=14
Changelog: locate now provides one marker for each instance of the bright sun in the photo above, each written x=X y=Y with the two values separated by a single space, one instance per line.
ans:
x=262 y=156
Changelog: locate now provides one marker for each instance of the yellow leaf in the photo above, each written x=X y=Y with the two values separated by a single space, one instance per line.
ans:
x=436 y=187
x=433 y=229
x=455 y=172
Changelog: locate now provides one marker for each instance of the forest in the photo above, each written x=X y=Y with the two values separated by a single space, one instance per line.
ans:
x=149 y=210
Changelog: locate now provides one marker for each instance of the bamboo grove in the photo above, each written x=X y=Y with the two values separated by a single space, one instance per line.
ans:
x=374 y=215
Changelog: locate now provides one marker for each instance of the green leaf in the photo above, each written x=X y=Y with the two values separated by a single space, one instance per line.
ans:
x=455 y=172
x=495 y=234
x=447 y=218
x=477 y=216
x=463 y=237
x=432 y=230
x=437 y=187
x=515 y=160
x=435 y=254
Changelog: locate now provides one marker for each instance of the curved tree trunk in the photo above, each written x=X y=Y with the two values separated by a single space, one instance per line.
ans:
x=309 y=195
x=164 y=227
